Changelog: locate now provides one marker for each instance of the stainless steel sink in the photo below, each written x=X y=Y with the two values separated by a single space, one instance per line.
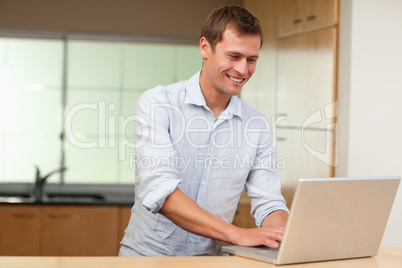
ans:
x=68 y=194
x=16 y=199
x=73 y=198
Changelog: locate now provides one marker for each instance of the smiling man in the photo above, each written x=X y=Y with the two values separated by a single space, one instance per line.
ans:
x=227 y=146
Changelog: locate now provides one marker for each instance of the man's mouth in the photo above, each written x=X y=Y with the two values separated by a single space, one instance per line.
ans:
x=237 y=80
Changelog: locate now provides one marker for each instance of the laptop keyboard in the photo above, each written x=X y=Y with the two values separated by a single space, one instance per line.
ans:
x=269 y=252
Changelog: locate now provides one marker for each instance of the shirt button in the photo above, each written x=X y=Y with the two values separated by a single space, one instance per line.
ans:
x=203 y=182
x=192 y=240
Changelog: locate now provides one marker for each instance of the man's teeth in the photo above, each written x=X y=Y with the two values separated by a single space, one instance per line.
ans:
x=235 y=79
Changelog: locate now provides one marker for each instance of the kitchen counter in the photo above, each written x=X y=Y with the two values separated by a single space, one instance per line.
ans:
x=387 y=257
x=96 y=194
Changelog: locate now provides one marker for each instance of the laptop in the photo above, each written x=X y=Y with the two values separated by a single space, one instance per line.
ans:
x=331 y=219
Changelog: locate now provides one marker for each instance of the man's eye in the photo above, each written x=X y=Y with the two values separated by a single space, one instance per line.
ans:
x=234 y=56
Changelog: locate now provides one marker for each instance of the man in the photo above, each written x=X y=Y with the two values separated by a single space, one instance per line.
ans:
x=199 y=146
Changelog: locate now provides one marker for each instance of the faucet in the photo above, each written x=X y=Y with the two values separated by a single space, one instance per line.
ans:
x=41 y=181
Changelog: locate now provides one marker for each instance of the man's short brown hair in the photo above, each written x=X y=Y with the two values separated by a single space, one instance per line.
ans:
x=243 y=22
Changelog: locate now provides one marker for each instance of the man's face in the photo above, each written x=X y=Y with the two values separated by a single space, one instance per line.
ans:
x=232 y=63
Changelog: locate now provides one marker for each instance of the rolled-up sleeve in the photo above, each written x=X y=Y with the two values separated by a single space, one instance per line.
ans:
x=263 y=184
x=156 y=172
x=155 y=199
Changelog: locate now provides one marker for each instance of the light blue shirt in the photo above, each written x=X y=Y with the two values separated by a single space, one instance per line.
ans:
x=180 y=145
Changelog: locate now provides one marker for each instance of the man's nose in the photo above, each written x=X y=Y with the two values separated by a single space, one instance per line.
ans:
x=241 y=67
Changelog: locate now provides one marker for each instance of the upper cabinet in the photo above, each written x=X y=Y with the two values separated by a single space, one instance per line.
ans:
x=306 y=67
x=297 y=82
x=304 y=15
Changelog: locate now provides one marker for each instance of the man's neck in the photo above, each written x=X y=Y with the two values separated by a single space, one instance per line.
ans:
x=215 y=100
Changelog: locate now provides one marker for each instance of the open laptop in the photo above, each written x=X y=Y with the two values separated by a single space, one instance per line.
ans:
x=331 y=219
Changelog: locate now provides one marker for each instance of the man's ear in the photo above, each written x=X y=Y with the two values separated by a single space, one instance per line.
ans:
x=205 y=47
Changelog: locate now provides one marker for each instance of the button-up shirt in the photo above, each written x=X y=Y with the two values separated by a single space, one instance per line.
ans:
x=179 y=144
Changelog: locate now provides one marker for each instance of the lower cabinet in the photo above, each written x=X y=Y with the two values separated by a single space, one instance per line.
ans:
x=243 y=218
x=20 y=230
x=62 y=230
x=303 y=154
x=80 y=231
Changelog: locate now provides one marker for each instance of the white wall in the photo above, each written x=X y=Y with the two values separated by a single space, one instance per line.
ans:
x=370 y=96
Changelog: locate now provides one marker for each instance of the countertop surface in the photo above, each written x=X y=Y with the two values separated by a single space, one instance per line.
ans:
x=387 y=257
x=95 y=194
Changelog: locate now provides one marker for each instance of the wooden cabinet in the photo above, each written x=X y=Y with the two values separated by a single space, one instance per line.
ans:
x=243 y=217
x=306 y=15
x=306 y=76
x=20 y=230
x=125 y=214
x=306 y=92
x=299 y=81
x=303 y=153
x=62 y=230
x=80 y=230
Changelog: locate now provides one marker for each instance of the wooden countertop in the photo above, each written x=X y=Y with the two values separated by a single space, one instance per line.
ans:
x=387 y=257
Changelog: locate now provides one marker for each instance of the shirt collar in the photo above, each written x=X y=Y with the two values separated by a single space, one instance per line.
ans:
x=193 y=91
x=194 y=96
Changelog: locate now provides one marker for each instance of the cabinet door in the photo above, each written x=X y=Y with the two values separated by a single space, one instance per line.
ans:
x=19 y=230
x=243 y=217
x=125 y=214
x=303 y=153
x=303 y=15
x=80 y=231
x=306 y=75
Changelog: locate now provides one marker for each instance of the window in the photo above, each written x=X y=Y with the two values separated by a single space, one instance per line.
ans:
x=86 y=90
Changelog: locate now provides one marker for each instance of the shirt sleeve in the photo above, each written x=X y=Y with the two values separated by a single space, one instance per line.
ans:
x=156 y=172
x=263 y=184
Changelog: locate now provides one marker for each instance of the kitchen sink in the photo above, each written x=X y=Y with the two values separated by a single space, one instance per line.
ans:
x=16 y=199
x=73 y=198
x=68 y=194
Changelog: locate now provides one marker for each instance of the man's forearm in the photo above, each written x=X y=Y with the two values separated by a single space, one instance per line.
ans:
x=277 y=218
x=185 y=213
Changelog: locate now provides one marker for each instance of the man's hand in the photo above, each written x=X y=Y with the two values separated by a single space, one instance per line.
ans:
x=267 y=236
x=270 y=234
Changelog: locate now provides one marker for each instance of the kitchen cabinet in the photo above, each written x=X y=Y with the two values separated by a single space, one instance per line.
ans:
x=295 y=85
x=303 y=153
x=61 y=230
x=20 y=230
x=243 y=217
x=306 y=76
x=80 y=230
x=305 y=15
x=306 y=101
x=125 y=214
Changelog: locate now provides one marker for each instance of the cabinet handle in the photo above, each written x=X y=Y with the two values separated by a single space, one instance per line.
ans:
x=312 y=17
x=23 y=216
x=296 y=21
x=59 y=216
x=280 y=139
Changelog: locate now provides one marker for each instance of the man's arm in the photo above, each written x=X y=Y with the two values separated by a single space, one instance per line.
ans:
x=185 y=213
x=276 y=219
